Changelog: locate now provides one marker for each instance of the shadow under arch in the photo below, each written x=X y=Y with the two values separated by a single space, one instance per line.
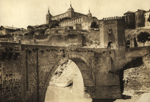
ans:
x=135 y=62
x=85 y=69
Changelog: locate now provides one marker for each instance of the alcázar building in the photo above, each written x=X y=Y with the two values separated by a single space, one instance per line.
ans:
x=72 y=19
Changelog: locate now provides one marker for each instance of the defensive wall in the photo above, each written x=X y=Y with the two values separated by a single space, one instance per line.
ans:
x=112 y=31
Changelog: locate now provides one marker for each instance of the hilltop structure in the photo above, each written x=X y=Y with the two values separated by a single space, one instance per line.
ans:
x=72 y=28
x=4 y=30
x=140 y=18
x=73 y=19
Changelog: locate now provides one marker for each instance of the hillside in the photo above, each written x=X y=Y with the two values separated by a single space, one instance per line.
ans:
x=137 y=79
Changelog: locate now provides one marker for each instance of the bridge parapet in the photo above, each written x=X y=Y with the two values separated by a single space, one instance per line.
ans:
x=10 y=51
x=10 y=47
x=61 y=48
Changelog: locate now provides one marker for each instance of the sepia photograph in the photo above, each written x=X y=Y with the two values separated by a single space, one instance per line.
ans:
x=74 y=50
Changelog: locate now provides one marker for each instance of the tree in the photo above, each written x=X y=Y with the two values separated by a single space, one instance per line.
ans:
x=143 y=37
x=53 y=24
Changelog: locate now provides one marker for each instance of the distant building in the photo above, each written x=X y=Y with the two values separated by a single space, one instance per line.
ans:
x=48 y=17
x=4 y=30
x=147 y=18
x=72 y=18
x=140 y=18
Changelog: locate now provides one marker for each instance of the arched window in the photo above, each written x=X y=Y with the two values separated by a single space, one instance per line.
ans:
x=94 y=25
x=128 y=43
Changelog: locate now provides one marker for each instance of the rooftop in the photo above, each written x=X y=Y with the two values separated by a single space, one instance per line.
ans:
x=129 y=12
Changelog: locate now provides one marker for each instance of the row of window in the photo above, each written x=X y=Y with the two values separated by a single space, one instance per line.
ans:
x=79 y=20
x=60 y=16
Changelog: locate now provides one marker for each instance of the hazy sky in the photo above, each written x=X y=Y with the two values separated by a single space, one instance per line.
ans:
x=21 y=13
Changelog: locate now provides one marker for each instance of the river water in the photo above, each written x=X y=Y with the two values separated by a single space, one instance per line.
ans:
x=59 y=94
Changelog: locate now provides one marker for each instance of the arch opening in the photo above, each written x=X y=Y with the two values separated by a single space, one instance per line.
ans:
x=128 y=43
x=66 y=84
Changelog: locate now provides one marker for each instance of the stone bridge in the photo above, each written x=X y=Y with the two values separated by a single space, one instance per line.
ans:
x=26 y=70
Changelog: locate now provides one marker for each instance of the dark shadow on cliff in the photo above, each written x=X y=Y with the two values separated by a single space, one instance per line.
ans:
x=135 y=62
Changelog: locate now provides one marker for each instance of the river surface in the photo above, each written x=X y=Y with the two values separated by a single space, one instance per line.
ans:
x=59 y=94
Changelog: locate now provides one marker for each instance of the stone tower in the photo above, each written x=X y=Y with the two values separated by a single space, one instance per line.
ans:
x=71 y=11
x=112 y=32
x=48 y=17
x=89 y=14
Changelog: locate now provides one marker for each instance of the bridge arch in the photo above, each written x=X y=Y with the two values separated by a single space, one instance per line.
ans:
x=85 y=69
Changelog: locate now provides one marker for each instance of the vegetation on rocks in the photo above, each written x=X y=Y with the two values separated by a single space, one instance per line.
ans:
x=143 y=37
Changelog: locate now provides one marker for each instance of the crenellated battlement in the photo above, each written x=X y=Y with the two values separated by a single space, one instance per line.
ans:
x=112 y=18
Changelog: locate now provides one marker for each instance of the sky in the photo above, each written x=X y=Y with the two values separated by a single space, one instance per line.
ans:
x=21 y=13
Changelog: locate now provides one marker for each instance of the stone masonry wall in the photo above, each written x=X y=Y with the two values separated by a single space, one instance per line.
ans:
x=112 y=31
x=107 y=84
x=46 y=60
x=25 y=70
x=10 y=75
x=31 y=76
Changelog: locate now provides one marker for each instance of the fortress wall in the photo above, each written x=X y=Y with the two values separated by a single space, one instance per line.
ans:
x=110 y=27
x=64 y=40
x=112 y=30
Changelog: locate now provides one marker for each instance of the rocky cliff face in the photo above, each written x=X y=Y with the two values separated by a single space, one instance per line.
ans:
x=137 y=79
